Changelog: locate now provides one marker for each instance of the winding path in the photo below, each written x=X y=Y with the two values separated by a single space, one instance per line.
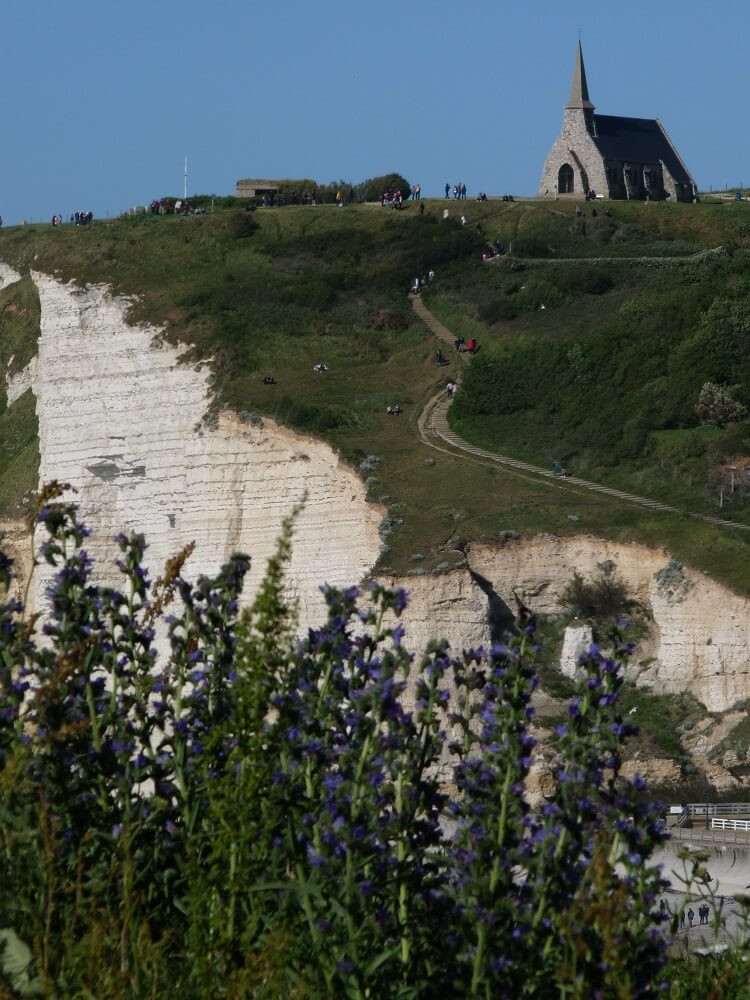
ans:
x=436 y=433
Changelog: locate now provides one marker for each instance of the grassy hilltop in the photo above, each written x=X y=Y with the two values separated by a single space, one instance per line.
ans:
x=604 y=377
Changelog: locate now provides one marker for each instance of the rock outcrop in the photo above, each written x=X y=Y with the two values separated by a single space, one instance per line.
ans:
x=700 y=637
x=576 y=641
x=443 y=606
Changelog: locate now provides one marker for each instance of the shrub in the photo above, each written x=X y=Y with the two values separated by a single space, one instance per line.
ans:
x=253 y=815
x=717 y=406
x=601 y=598
x=587 y=280
x=241 y=225
x=375 y=187
x=530 y=246
x=497 y=310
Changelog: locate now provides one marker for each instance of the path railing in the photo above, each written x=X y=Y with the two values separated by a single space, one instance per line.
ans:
x=730 y=824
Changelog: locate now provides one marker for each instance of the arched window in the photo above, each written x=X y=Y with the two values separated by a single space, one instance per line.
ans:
x=565 y=179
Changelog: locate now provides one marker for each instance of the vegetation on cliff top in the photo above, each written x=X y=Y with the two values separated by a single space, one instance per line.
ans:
x=603 y=377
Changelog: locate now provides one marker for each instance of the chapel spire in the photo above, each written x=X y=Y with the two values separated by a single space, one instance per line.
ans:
x=579 y=92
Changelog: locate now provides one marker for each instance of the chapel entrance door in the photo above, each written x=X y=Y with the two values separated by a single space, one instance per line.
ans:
x=565 y=179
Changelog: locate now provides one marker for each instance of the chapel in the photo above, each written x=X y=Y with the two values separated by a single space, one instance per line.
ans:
x=611 y=156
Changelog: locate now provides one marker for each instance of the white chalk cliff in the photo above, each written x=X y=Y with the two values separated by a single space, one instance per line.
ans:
x=700 y=635
x=120 y=419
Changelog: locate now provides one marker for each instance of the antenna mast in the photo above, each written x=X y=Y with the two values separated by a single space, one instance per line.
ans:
x=186 y=172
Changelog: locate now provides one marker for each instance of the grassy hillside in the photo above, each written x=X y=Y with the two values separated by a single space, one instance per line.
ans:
x=276 y=291
x=19 y=447
x=599 y=363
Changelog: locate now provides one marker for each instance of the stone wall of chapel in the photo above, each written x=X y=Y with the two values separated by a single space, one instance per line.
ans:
x=575 y=146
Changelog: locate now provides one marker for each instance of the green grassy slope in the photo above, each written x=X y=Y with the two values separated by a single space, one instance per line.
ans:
x=599 y=363
x=279 y=290
x=19 y=448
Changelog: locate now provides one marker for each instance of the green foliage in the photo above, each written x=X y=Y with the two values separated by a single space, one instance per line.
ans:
x=663 y=719
x=717 y=406
x=256 y=815
x=588 y=280
x=602 y=598
x=496 y=310
x=375 y=187
x=242 y=224
x=19 y=454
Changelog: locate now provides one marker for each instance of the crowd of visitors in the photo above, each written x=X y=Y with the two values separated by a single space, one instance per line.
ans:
x=292 y=197
x=79 y=218
x=392 y=198
x=459 y=191
x=174 y=206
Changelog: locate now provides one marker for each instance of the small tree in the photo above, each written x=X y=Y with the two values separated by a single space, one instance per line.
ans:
x=717 y=406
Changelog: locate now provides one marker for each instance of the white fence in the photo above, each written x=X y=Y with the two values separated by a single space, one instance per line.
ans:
x=730 y=824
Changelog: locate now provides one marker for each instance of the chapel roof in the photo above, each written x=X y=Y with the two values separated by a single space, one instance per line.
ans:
x=642 y=140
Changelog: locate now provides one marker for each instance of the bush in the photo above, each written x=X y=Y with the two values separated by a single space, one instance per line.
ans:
x=587 y=280
x=601 y=598
x=497 y=310
x=374 y=188
x=717 y=406
x=241 y=225
x=253 y=815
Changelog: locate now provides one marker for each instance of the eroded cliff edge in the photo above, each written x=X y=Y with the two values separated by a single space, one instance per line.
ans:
x=122 y=418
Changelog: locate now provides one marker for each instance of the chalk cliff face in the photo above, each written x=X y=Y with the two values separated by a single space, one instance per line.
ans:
x=700 y=636
x=120 y=420
x=449 y=606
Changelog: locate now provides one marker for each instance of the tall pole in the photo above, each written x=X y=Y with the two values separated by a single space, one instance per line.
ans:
x=186 y=178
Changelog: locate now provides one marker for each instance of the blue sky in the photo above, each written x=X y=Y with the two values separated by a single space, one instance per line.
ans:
x=102 y=100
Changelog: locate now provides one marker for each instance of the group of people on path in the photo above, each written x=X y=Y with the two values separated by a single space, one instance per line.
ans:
x=421 y=281
x=459 y=191
x=704 y=914
x=80 y=218
x=469 y=346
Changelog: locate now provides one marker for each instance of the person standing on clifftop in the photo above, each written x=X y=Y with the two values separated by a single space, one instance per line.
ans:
x=447 y=190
